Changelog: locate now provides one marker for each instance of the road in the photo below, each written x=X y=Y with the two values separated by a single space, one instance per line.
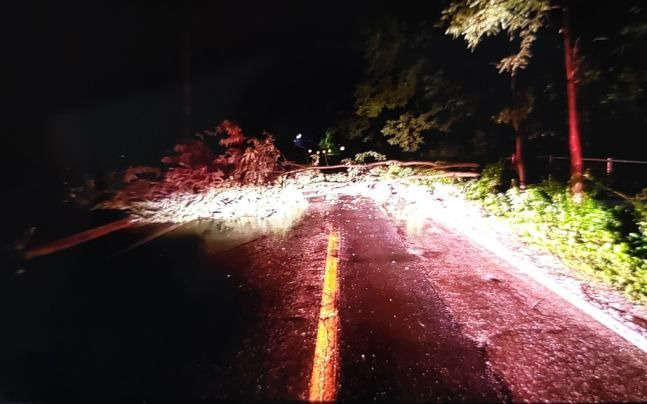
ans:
x=202 y=315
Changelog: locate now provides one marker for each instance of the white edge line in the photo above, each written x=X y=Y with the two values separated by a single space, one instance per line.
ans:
x=535 y=273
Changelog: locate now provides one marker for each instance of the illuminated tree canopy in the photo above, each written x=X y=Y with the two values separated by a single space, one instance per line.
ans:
x=388 y=92
x=476 y=19
x=406 y=130
x=404 y=97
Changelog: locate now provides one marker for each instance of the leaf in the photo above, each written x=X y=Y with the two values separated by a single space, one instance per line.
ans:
x=477 y=19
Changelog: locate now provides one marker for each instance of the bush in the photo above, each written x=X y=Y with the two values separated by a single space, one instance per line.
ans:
x=488 y=183
x=367 y=156
x=606 y=240
x=397 y=171
x=640 y=218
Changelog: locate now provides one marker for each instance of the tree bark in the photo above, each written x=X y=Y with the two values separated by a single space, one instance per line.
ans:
x=78 y=238
x=519 y=162
x=433 y=165
x=518 y=157
x=574 y=139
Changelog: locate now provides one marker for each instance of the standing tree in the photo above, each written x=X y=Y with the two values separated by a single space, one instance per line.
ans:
x=522 y=19
x=515 y=116
x=404 y=96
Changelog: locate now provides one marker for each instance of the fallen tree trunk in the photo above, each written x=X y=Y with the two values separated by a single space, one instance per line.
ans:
x=169 y=228
x=78 y=238
x=458 y=174
x=433 y=165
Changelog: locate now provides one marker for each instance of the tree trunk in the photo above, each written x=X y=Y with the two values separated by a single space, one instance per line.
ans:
x=518 y=135
x=518 y=158
x=574 y=140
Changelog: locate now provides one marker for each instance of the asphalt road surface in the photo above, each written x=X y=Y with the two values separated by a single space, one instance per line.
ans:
x=344 y=300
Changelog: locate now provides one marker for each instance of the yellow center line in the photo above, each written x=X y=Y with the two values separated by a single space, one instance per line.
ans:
x=323 y=382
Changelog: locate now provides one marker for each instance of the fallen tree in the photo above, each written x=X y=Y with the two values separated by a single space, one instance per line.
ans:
x=249 y=180
x=219 y=183
x=433 y=165
x=78 y=238
x=194 y=168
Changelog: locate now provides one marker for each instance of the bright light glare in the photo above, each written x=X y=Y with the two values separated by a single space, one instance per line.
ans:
x=329 y=151
x=276 y=205
x=309 y=150
x=299 y=136
x=342 y=148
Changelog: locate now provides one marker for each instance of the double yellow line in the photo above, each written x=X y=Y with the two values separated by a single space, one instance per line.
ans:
x=323 y=382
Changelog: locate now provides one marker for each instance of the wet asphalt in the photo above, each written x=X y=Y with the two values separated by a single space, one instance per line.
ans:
x=398 y=340
x=199 y=315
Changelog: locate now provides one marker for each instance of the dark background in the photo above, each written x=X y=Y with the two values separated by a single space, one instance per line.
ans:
x=91 y=82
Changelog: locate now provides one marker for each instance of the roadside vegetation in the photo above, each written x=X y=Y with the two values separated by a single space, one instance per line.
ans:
x=604 y=236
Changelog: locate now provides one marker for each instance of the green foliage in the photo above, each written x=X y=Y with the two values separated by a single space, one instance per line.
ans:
x=516 y=114
x=604 y=240
x=476 y=19
x=397 y=171
x=406 y=131
x=387 y=92
x=361 y=158
x=327 y=143
x=449 y=101
x=444 y=107
x=640 y=218
x=403 y=94
x=487 y=184
x=387 y=86
x=432 y=104
x=638 y=28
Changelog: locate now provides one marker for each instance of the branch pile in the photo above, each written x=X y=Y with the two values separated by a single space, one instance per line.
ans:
x=201 y=182
x=224 y=174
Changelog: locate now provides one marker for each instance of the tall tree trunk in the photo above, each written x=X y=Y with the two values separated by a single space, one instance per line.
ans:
x=574 y=140
x=518 y=135
x=518 y=157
